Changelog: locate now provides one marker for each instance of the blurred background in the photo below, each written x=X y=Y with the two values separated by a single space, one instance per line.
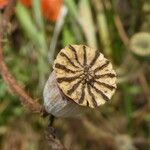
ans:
x=120 y=29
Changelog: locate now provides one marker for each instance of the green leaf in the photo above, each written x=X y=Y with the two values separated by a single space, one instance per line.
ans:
x=26 y=22
x=68 y=37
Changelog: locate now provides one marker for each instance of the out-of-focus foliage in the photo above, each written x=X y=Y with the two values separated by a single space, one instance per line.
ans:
x=29 y=48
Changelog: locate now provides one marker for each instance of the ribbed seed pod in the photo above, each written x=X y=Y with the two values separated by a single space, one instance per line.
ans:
x=140 y=45
x=81 y=77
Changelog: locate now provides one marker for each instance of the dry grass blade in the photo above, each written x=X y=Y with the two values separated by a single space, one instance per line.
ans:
x=121 y=31
x=87 y=23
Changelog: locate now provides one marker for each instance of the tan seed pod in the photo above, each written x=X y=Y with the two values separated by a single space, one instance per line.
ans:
x=82 y=76
x=140 y=45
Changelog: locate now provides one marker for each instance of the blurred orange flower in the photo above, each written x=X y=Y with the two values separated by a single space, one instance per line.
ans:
x=3 y=3
x=51 y=9
x=26 y=3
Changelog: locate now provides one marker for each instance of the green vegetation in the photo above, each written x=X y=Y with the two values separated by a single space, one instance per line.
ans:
x=30 y=47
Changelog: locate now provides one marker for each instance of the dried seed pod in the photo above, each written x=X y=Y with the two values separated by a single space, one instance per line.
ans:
x=82 y=76
x=140 y=45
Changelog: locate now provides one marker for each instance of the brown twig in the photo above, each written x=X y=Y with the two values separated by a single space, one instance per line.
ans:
x=25 y=99
x=121 y=31
x=54 y=142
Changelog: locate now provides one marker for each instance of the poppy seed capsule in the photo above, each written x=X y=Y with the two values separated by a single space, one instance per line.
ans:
x=82 y=78
x=140 y=45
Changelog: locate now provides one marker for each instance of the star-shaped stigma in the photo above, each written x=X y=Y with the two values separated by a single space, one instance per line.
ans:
x=84 y=75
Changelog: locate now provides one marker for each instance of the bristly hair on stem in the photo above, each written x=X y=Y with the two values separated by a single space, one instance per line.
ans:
x=24 y=98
